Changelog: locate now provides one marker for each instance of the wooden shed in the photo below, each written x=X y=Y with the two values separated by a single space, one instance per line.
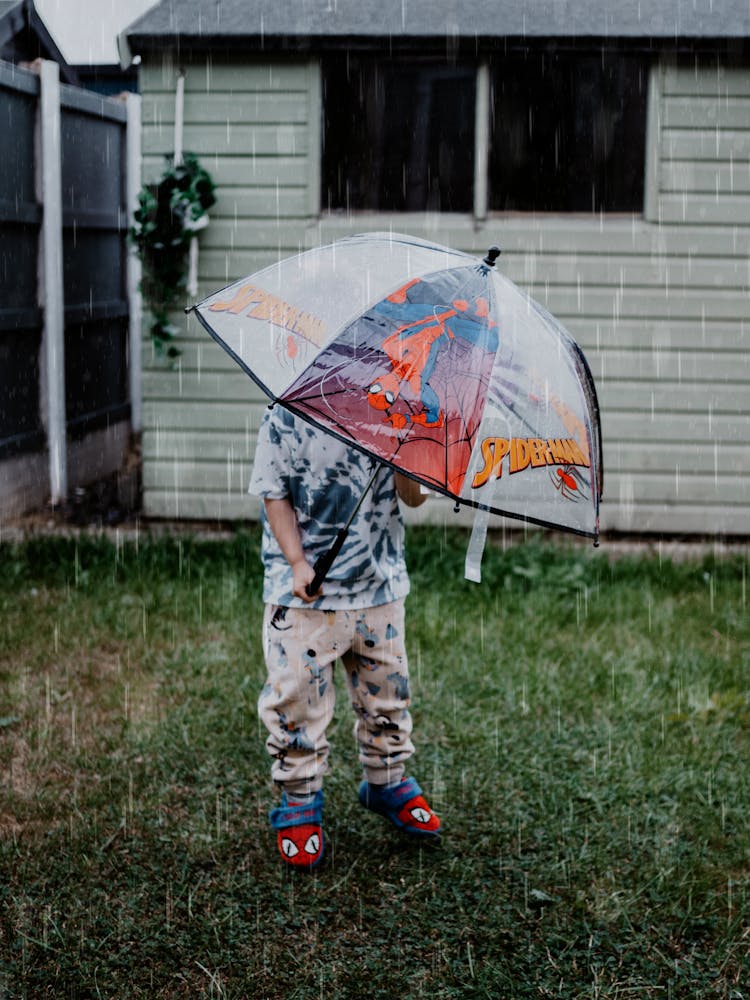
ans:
x=604 y=146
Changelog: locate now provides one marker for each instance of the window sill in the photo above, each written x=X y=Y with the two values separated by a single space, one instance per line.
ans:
x=439 y=219
x=512 y=230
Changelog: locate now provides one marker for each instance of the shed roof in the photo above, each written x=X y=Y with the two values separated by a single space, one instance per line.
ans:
x=338 y=19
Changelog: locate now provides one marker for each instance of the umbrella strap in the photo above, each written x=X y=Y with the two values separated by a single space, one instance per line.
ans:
x=475 y=550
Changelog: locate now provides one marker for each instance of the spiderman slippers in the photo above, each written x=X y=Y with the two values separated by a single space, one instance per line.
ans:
x=299 y=831
x=403 y=804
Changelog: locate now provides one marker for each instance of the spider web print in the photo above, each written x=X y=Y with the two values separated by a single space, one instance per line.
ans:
x=438 y=456
x=406 y=431
x=462 y=389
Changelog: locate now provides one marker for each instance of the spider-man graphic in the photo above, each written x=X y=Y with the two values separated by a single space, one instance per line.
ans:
x=411 y=375
x=414 y=347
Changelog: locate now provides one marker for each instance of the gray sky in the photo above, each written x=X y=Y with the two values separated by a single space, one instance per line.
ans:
x=86 y=30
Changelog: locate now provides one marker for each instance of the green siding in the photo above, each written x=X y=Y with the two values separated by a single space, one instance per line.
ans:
x=660 y=306
x=250 y=125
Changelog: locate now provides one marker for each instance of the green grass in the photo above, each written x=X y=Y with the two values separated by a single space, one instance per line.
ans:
x=582 y=727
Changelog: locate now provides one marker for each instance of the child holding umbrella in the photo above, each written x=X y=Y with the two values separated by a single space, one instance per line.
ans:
x=310 y=482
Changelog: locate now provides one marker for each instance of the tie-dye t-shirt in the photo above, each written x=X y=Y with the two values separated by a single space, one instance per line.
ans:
x=323 y=478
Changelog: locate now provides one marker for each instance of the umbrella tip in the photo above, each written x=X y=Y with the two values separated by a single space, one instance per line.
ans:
x=492 y=254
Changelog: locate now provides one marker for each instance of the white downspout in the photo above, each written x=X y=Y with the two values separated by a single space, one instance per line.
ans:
x=481 y=141
x=135 y=304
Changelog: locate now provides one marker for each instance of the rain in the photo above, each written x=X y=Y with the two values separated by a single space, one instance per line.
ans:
x=186 y=196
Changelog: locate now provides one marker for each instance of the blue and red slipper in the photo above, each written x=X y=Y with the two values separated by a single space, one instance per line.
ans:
x=299 y=827
x=403 y=804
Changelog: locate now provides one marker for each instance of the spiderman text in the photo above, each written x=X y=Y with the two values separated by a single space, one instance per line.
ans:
x=523 y=453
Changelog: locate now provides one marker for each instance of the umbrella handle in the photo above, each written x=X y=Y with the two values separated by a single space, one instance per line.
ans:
x=323 y=563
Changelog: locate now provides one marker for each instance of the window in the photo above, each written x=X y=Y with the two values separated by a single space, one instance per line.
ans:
x=398 y=134
x=567 y=131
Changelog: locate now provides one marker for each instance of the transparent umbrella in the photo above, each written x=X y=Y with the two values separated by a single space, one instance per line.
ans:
x=429 y=360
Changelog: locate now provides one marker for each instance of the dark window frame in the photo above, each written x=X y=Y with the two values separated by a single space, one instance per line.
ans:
x=545 y=155
x=479 y=199
x=403 y=164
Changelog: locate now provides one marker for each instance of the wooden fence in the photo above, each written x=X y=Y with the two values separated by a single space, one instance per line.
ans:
x=69 y=173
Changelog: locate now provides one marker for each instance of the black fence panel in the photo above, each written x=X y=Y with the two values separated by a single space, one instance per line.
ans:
x=20 y=424
x=93 y=165
x=96 y=378
x=20 y=316
x=19 y=94
x=94 y=261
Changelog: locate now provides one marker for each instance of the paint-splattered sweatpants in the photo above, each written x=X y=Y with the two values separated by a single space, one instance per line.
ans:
x=301 y=646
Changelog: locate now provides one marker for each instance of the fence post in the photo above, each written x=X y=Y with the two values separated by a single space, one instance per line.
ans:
x=135 y=333
x=51 y=291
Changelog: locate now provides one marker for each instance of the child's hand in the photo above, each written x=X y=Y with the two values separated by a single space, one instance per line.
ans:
x=303 y=573
x=283 y=522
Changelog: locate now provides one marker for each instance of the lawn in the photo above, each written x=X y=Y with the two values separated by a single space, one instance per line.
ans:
x=582 y=727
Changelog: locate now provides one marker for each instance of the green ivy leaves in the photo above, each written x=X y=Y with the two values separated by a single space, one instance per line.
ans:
x=169 y=214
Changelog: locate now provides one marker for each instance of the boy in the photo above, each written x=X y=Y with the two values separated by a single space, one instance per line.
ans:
x=310 y=482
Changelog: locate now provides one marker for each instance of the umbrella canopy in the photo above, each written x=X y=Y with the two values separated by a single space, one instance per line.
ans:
x=431 y=361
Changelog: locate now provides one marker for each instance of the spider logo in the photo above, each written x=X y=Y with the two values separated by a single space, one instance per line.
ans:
x=569 y=483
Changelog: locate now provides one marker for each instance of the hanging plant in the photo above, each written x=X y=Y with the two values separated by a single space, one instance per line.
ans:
x=169 y=215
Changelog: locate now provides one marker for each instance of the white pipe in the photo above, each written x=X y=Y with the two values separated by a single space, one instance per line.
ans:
x=179 y=117
x=135 y=304
x=481 y=141
x=52 y=294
